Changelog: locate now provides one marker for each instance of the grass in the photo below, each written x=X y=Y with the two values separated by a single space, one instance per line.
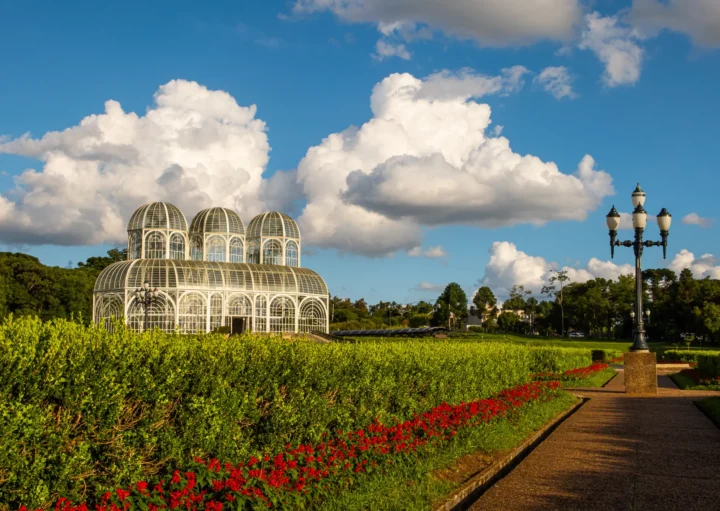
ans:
x=685 y=382
x=711 y=407
x=417 y=485
x=518 y=339
x=597 y=380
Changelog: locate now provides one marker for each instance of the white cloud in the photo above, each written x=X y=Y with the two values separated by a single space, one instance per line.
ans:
x=194 y=147
x=695 y=219
x=427 y=287
x=489 y=22
x=616 y=45
x=385 y=49
x=424 y=159
x=699 y=19
x=509 y=266
x=557 y=81
x=435 y=252
x=704 y=266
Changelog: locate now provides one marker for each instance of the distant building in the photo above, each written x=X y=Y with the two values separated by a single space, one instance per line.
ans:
x=213 y=274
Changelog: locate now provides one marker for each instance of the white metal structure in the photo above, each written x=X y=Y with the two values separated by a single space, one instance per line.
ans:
x=218 y=235
x=202 y=294
x=273 y=238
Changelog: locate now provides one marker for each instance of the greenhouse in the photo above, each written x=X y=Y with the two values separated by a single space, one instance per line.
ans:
x=196 y=280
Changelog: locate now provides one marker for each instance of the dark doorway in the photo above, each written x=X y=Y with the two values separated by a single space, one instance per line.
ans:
x=237 y=325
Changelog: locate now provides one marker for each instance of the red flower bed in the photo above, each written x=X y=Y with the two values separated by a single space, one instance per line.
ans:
x=308 y=471
x=580 y=373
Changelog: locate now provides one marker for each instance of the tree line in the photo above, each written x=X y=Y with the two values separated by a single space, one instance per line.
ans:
x=679 y=305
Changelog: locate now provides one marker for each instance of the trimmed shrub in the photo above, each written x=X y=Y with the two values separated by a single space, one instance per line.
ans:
x=87 y=410
x=689 y=356
x=709 y=364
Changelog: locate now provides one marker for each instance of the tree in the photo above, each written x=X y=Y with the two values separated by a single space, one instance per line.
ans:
x=452 y=300
x=709 y=315
x=557 y=280
x=516 y=302
x=507 y=321
x=483 y=300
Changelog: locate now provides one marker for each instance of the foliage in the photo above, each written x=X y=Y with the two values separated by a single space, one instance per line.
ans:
x=84 y=408
x=298 y=474
x=709 y=364
x=451 y=303
x=28 y=287
x=484 y=299
x=711 y=407
x=689 y=356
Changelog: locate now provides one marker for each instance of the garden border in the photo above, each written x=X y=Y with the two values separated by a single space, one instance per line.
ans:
x=462 y=498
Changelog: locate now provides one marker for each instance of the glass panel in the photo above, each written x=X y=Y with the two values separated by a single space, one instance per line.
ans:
x=216 y=311
x=155 y=246
x=160 y=314
x=196 y=251
x=272 y=252
x=312 y=316
x=253 y=255
x=192 y=316
x=135 y=245
x=177 y=247
x=236 y=250
x=282 y=315
x=260 y=314
x=215 y=247
x=291 y=254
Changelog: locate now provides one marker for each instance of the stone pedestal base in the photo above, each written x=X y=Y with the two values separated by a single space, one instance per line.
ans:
x=640 y=373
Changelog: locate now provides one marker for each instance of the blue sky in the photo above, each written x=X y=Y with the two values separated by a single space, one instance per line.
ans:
x=311 y=71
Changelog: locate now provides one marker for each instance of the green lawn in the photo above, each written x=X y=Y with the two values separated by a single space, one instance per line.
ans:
x=415 y=486
x=597 y=380
x=711 y=407
x=685 y=382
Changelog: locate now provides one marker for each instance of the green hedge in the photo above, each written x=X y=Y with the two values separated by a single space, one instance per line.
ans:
x=686 y=355
x=709 y=364
x=86 y=410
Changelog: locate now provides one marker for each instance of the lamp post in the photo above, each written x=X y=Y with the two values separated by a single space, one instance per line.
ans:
x=146 y=298
x=639 y=219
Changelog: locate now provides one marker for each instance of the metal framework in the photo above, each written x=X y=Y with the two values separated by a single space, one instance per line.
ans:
x=273 y=238
x=202 y=295
x=209 y=276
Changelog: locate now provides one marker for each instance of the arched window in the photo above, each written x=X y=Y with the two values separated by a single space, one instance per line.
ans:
x=216 y=311
x=282 y=314
x=215 y=248
x=177 y=246
x=239 y=305
x=260 y=314
x=291 y=254
x=236 y=250
x=196 y=248
x=135 y=245
x=155 y=246
x=272 y=252
x=161 y=314
x=192 y=317
x=253 y=254
x=312 y=316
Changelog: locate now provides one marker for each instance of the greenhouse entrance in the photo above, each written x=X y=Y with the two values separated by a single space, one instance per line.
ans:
x=237 y=325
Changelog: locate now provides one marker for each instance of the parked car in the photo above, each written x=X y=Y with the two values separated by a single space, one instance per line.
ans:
x=577 y=334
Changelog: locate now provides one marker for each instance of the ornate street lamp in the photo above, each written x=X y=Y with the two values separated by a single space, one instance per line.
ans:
x=639 y=219
x=146 y=297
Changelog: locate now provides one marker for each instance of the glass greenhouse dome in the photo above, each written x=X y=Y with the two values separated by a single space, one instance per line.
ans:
x=172 y=285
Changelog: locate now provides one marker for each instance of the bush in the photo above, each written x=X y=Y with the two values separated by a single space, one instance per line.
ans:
x=87 y=410
x=689 y=356
x=709 y=364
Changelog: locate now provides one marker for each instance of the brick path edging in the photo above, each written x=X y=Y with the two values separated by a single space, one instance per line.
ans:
x=464 y=497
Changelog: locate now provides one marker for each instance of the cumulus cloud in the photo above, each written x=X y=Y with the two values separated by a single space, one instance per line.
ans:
x=699 y=19
x=704 y=266
x=509 y=266
x=557 y=81
x=695 y=219
x=427 y=287
x=489 y=22
x=194 y=147
x=385 y=49
x=616 y=45
x=424 y=159
x=435 y=252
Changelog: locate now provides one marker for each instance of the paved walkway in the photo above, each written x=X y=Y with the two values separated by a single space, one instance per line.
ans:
x=620 y=452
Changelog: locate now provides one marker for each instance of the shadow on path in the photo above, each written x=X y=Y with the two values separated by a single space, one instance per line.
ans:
x=620 y=452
